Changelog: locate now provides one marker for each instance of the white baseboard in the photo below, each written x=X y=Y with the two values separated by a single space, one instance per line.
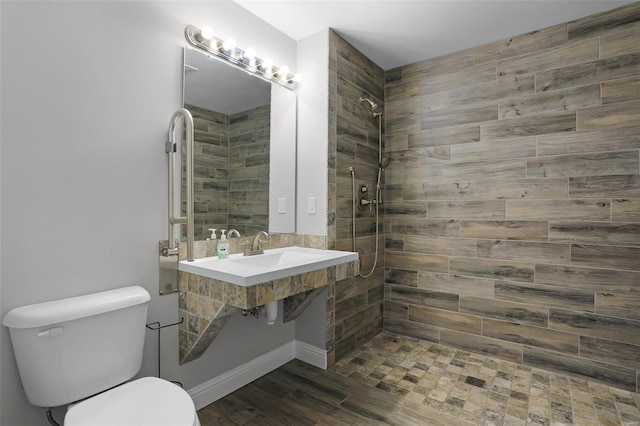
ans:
x=311 y=354
x=222 y=385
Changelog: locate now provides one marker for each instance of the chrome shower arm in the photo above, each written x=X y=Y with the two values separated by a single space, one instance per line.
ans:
x=185 y=115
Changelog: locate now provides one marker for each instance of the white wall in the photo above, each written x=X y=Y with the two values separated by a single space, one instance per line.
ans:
x=282 y=156
x=87 y=92
x=307 y=329
x=313 y=107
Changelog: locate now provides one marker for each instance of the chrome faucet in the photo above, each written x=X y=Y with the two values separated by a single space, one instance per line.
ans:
x=233 y=231
x=257 y=242
x=256 y=245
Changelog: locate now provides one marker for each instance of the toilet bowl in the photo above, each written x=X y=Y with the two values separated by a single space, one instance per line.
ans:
x=148 y=401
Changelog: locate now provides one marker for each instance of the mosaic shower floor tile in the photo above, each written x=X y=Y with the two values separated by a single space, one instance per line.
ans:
x=483 y=390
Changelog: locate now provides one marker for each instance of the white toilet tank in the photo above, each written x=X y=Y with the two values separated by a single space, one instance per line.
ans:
x=70 y=349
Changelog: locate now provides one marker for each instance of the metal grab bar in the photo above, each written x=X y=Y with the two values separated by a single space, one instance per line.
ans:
x=171 y=150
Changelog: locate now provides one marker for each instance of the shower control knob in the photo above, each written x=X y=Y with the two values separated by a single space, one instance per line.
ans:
x=364 y=189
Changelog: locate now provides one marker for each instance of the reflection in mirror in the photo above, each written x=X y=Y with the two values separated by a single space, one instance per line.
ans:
x=240 y=121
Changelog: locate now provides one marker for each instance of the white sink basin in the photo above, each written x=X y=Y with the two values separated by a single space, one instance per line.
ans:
x=275 y=258
x=273 y=264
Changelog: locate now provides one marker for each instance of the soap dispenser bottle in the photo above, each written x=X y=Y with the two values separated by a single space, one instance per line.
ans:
x=223 y=245
x=213 y=234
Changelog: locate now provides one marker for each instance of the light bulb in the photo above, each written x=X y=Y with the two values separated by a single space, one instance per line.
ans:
x=229 y=44
x=266 y=66
x=283 y=72
x=206 y=33
x=250 y=53
x=297 y=78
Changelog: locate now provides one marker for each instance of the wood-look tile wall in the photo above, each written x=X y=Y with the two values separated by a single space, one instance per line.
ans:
x=231 y=170
x=210 y=171
x=353 y=142
x=513 y=213
x=249 y=134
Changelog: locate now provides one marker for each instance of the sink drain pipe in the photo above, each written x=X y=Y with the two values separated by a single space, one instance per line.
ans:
x=270 y=309
x=272 y=312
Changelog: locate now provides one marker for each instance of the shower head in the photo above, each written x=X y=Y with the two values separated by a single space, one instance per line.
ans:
x=373 y=105
x=385 y=162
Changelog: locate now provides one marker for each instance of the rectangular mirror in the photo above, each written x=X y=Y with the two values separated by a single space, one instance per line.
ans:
x=244 y=148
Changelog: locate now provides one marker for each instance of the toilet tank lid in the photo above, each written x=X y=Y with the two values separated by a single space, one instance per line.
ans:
x=58 y=311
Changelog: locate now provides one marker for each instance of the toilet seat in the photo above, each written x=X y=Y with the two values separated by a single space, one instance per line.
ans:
x=148 y=401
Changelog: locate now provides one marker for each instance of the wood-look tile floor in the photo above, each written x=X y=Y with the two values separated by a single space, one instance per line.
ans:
x=399 y=380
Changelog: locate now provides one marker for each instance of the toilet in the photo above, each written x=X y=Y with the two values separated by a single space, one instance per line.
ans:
x=83 y=351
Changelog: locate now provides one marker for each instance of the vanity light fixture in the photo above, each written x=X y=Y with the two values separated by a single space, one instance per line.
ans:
x=227 y=51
